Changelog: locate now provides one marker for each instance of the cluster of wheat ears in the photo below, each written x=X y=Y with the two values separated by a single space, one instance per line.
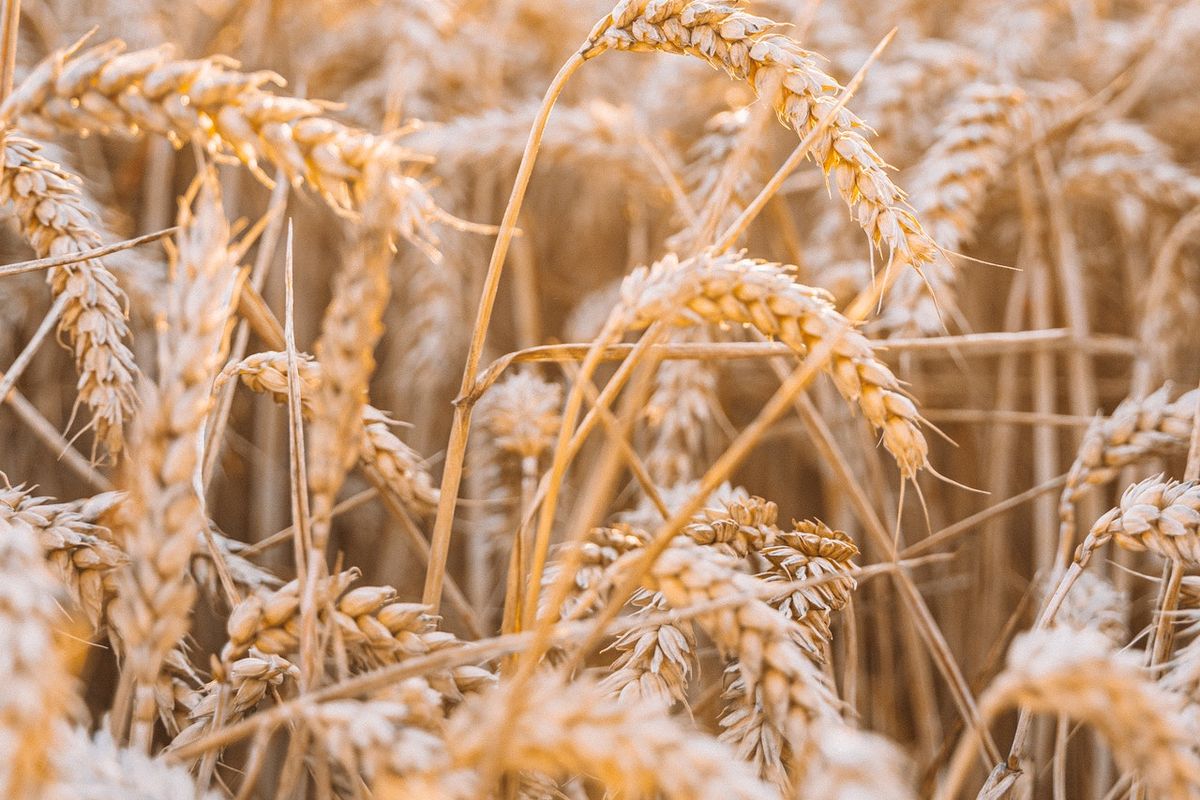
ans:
x=822 y=425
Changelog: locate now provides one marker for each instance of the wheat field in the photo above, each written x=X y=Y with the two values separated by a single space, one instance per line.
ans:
x=457 y=399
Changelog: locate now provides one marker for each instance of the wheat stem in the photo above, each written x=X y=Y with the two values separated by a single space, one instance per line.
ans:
x=460 y=427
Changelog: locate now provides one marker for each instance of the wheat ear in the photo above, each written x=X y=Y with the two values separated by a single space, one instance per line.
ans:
x=633 y=748
x=784 y=687
x=384 y=738
x=656 y=660
x=1122 y=159
x=56 y=222
x=367 y=622
x=95 y=767
x=403 y=468
x=350 y=329
x=164 y=512
x=37 y=692
x=731 y=289
x=227 y=111
x=1139 y=428
x=849 y=764
x=1159 y=515
x=747 y=48
x=78 y=549
x=1094 y=603
x=950 y=186
x=1077 y=673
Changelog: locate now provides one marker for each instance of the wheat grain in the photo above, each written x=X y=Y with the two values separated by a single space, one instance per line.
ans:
x=902 y=96
x=246 y=681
